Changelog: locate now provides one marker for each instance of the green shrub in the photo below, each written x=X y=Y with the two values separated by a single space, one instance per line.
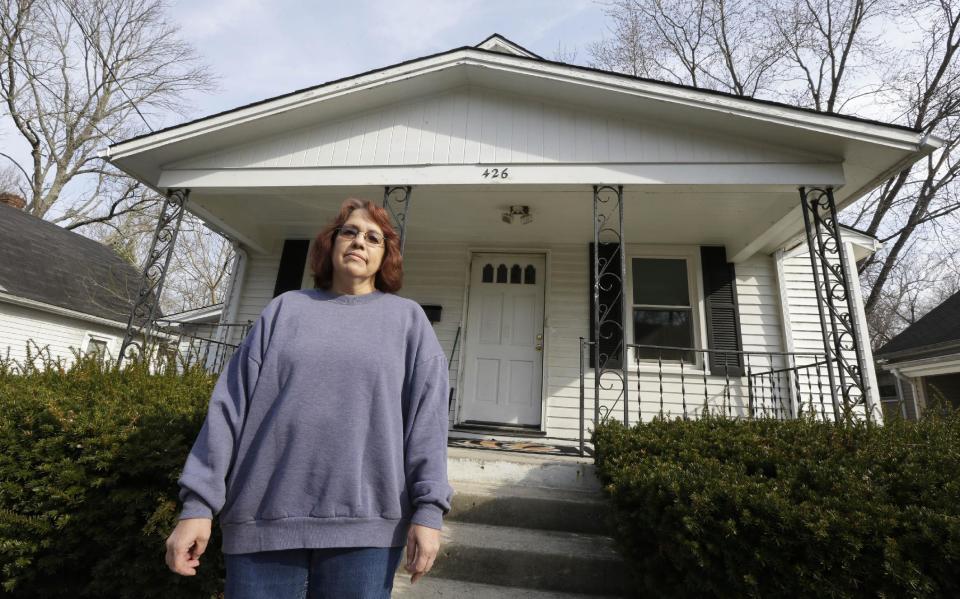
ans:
x=89 y=459
x=767 y=508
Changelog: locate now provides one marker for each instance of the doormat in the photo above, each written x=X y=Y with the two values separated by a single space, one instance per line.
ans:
x=519 y=446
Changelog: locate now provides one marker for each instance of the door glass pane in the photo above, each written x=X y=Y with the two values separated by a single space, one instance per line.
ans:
x=530 y=275
x=515 y=273
x=660 y=281
x=488 y=273
x=502 y=273
x=663 y=327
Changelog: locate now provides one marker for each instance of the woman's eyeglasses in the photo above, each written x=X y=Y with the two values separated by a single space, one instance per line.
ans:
x=349 y=232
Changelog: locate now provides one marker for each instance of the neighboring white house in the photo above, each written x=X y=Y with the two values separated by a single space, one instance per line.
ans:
x=711 y=213
x=59 y=290
x=924 y=360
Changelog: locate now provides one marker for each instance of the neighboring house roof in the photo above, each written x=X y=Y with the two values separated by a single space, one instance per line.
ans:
x=43 y=262
x=204 y=315
x=937 y=332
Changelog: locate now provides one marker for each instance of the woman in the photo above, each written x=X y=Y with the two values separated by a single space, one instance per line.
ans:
x=324 y=448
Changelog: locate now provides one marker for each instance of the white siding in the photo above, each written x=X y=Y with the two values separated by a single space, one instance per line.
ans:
x=259 y=279
x=473 y=125
x=54 y=334
x=805 y=327
x=436 y=273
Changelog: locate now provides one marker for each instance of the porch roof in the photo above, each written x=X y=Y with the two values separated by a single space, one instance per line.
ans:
x=548 y=123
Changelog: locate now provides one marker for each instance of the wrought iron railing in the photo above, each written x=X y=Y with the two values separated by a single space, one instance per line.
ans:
x=209 y=345
x=684 y=382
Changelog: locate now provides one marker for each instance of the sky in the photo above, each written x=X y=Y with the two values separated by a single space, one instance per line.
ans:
x=262 y=49
x=259 y=49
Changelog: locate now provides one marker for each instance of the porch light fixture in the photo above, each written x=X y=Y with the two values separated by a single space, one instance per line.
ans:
x=522 y=211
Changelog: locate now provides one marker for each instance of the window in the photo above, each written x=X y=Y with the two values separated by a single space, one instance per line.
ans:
x=167 y=354
x=97 y=347
x=518 y=274
x=662 y=310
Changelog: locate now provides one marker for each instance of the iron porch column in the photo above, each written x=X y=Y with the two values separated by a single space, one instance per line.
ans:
x=604 y=276
x=834 y=301
x=143 y=312
x=396 y=200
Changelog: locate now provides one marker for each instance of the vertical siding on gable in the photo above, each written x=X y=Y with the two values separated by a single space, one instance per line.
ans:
x=473 y=125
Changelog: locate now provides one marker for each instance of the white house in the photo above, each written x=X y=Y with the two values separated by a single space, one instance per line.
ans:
x=703 y=192
x=59 y=291
x=924 y=360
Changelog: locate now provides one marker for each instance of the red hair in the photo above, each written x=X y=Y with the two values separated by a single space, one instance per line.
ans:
x=389 y=277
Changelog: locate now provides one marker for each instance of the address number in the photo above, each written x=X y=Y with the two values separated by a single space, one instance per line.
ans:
x=495 y=173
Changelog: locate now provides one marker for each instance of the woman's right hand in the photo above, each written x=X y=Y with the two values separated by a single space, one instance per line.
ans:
x=187 y=543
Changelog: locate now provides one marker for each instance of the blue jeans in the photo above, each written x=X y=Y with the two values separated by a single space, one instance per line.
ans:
x=329 y=573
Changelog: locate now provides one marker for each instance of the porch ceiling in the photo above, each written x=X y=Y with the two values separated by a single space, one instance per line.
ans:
x=562 y=214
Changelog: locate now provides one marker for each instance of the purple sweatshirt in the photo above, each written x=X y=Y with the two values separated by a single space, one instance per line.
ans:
x=328 y=427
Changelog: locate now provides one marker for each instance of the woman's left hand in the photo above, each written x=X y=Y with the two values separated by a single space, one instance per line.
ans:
x=423 y=544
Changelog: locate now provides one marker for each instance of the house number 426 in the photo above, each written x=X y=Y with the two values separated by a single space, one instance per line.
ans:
x=495 y=173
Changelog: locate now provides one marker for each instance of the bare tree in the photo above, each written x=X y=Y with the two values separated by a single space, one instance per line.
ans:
x=833 y=56
x=200 y=267
x=926 y=193
x=830 y=49
x=704 y=43
x=565 y=53
x=76 y=76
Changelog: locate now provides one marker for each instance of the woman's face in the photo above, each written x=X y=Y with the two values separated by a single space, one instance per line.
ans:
x=357 y=258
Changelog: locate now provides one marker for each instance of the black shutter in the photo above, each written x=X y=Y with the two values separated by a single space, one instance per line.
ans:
x=292 y=261
x=610 y=251
x=723 y=318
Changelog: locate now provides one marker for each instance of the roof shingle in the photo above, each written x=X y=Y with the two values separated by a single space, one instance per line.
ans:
x=46 y=263
x=940 y=325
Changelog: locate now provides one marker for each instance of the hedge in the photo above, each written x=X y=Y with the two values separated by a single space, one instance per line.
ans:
x=89 y=459
x=766 y=508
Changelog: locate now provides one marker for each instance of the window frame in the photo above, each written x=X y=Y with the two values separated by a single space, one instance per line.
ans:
x=691 y=255
x=111 y=348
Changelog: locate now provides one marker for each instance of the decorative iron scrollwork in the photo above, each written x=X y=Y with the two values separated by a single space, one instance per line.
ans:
x=396 y=200
x=608 y=228
x=835 y=304
x=144 y=311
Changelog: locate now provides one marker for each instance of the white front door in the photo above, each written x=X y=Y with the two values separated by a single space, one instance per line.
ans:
x=503 y=350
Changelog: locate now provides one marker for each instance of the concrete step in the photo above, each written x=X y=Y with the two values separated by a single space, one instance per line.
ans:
x=526 y=558
x=505 y=467
x=430 y=587
x=530 y=507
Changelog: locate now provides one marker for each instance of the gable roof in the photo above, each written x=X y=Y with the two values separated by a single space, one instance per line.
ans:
x=496 y=44
x=940 y=327
x=43 y=262
x=868 y=151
